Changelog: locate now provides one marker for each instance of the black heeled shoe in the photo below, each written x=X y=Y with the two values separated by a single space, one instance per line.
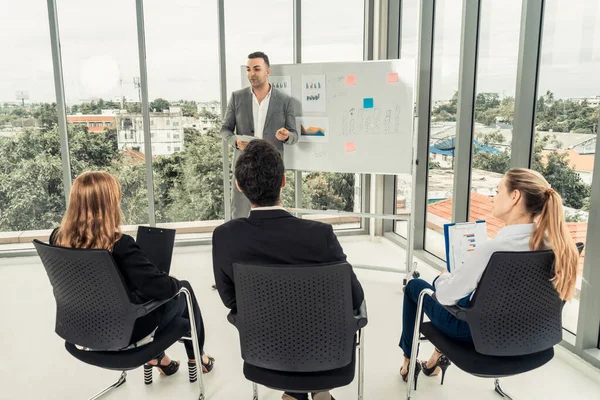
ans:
x=168 y=369
x=206 y=368
x=443 y=362
x=417 y=371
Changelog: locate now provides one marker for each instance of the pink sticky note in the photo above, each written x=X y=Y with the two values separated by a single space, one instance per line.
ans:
x=350 y=79
x=350 y=147
x=392 y=77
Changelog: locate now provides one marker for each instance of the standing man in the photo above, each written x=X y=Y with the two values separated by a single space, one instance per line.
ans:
x=259 y=111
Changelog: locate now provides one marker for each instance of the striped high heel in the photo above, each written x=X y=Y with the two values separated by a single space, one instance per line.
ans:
x=168 y=369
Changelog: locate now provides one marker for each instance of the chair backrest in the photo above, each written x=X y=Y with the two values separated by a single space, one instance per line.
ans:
x=93 y=308
x=295 y=318
x=516 y=310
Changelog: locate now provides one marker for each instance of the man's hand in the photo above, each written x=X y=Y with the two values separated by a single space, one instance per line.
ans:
x=241 y=145
x=282 y=134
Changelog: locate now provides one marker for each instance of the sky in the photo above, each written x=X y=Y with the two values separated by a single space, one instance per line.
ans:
x=100 y=51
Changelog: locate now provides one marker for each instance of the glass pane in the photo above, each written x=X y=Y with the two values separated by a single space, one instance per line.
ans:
x=409 y=38
x=446 y=58
x=326 y=38
x=101 y=74
x=327 y=191
x=567 y=114
x=31 y=192
x=185 y=114
x=494 y=105
x=249 y=28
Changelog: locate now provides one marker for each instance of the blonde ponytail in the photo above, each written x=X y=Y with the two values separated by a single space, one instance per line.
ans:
x=551 y=228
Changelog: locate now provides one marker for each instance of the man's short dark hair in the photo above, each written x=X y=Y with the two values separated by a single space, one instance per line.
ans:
x=260 y=54
x=259 y=173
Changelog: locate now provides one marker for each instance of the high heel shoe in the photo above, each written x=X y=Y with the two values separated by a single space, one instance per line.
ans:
x=417 y=371
x=206 y=368
x=168 y=369
x=443 y=362
x=193 y=368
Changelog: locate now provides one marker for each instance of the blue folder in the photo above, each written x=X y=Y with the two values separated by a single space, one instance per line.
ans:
x=447 y=240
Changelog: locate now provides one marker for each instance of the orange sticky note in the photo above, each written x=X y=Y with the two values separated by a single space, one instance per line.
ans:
x=350 y=79
x=392 y=77
x=350 y=147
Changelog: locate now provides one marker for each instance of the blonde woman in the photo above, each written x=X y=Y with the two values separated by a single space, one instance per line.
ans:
x=93 y=221
x=523 y=196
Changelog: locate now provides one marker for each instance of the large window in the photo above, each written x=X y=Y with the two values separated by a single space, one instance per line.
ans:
x=494 y=105
x=249 y=28
x=409 y=40
x=332 y=30
x=183 y=86
x=31 y=192
x=446 y=60
x=567 y=113
x=101 y=74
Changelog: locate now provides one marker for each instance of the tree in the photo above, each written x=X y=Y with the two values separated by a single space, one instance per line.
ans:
x=159 y=105
x=189 y=108
x=554 y=167
x=47 y=115
x=31 y=193
x=198 y=192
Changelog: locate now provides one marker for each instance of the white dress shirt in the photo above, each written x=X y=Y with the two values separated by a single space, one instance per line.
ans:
x=259 y=112
x=452 y=287
x=269 y=208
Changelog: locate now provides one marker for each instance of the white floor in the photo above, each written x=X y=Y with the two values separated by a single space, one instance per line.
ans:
x=35 y=365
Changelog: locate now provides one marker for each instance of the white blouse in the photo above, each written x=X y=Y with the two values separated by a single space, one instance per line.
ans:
x=452 y=287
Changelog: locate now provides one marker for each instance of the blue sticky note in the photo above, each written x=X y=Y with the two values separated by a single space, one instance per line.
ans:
x=368 y=102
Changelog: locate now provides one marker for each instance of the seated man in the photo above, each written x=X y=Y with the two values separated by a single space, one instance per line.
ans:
x=271 y=235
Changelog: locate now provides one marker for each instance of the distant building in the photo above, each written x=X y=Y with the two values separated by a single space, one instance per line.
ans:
x=166 y=130
x=592 y=101
x=94 y=123
x=583 y=164
x=213 y=107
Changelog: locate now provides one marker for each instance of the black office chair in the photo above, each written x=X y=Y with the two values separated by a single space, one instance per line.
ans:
x=298 y=331
x=93 y=310
x=515 y=317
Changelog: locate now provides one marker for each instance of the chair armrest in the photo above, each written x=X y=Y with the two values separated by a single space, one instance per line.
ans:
x=361 y=315
x=231 y=317
x=459 y=312
x=149 y=306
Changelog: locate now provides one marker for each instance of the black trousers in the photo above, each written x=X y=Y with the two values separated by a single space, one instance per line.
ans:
x=177 y=307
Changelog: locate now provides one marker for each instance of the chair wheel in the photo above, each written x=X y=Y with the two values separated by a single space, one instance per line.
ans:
x=416 y=274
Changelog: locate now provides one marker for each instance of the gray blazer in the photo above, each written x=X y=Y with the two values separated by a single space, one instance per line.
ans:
x=239 y=118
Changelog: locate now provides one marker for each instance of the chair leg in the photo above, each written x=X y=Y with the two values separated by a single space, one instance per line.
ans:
x=361 y=364
x=499 y=390
x=188 y=299
x=255 y=391
x=122 y=380
x=415 y=344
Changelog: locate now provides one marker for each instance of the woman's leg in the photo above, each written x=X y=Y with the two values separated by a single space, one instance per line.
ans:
x=409 y=312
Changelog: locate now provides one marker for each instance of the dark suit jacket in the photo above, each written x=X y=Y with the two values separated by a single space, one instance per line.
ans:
x=239 y=118
x=272 y=237
x=143 y=279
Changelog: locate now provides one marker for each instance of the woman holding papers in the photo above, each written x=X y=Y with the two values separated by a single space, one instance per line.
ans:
x=523 y=196
x=93 y=221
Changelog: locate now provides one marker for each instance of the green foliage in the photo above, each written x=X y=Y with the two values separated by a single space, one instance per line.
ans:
x=189 y=108
x=552 y=114
x=159 y=105
x=555 y=168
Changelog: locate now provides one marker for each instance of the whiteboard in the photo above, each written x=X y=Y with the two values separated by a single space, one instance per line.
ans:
x=351 y=117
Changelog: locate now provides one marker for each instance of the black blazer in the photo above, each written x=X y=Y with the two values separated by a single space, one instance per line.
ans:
x=143 y=279
x=273 y=237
